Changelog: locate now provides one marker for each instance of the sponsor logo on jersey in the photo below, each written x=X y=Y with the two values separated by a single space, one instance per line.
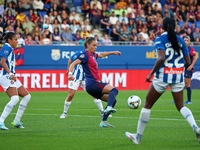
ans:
x=173 y=70
x=55 y=54
x=6 y=52
x=82 y=56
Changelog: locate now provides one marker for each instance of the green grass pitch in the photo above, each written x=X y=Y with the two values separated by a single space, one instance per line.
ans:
x=44 y=130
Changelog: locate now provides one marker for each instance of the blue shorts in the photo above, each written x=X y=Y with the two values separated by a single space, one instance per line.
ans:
x=95 y=89
x=188 y=74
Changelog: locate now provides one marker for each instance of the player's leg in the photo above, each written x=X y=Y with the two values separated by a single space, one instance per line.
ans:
x=22 y=106
x=189 y=91
x=10 y=87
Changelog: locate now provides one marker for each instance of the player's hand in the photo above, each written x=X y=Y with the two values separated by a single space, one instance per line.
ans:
x=67 y=73
x=117 y=53
x=148 y=79
x=12 y=77
x=70 y=77
x=189 y=68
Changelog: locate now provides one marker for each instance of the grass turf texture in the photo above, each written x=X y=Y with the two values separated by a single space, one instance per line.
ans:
x=166 y=129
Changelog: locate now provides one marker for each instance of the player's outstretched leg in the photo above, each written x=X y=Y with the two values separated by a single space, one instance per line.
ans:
x=66 y=107
x=132 y=137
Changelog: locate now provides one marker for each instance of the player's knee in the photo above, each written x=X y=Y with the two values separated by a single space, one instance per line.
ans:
x=27 y=98
x=15 y=99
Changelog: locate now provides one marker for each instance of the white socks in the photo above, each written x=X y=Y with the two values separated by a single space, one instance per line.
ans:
x=99 y=104
x=66 y=106
x=8 y=108
x=187 y=114
x=22 y=107
x=144 y=118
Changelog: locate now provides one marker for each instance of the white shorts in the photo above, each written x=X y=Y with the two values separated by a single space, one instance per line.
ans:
x=161 y=87
x=75 y=84
x=5 y=82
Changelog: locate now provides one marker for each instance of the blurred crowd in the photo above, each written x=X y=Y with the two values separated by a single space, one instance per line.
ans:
x=132 y=21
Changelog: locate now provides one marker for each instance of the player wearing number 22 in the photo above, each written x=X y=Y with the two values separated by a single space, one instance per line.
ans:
x=168 y=70
x=94 y=86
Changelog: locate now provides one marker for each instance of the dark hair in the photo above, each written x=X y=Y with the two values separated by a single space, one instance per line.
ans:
x=169 y=26
x=88 y=40
x=9 y=35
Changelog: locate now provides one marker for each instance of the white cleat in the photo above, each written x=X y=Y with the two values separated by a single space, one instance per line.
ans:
x=109 y=109
x=132 y=137
x=197 y=132
x=63 y=116
x=105 y=124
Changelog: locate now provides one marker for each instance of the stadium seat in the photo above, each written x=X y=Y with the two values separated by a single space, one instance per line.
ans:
x=77 y=3
x=111 y=7
x=42 y=13
x=197 y=24
x=181 y=23
x=26 y=12
x=190 y=24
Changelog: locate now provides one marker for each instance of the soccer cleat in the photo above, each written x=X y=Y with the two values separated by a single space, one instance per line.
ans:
x=63 y=115
x=103 y=113
x=17 y=124
x=188 y=102
x=2 y=126
x=105 y=124
x=109 y=109
x=197 y=132
x=132 y=137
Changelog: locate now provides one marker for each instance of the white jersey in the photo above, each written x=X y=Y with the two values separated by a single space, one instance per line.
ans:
x=7 y=53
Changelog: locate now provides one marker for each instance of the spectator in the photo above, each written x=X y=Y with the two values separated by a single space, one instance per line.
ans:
x=104 y=9
x=56 y=35
x=124 y=9
x=105 y=25
x=196 y=33
x=20 y=39
x=116 y=31
x=56 y=24
x=179 y=31
x=91 y=33
x=50 y=16
x=139 y=26
x=2 y=2
x=135 y=40
x=95 y=12
x=48 y=33
x=146 y=4
x=74 y=16
x=81 y=41
x=156 y=2
x=64 y=16
x=26 y=31
x=124 y=23
x=106 y=3
x=17 y=31
x=85 y=8
x=133 y=33
x=183 y=12
x=185 y=26
x=64 y=7
x=26 y=4
x=190 y=34
x=28 y=39
x=37 y=19
x=148 y=22
x=19 y=8
x=9 y=28
x=85 y=24
x=166 y=9
x=131 y=10
x=18 y=24
x=36 y=31
x=98 y=40
x=77 y=37
x=123 y=17
x=198 y=13
x=38 y=5
x=45 y=40
x=121 y=3
x=150 y=13
x=172 y=5
x=143 y=36
x=56 y=16
x=178 y=17
x=74 y=27
x=84 y=32
x=152 y=37
x=10 y=7
x=159 y=24
x=6 y=25
x=36 y=40
x=30 y=15
x=55 y=7
x=197 y=41
x=64 y=25
x=153 y=28
x=67 y=35
x=21 y=16
x=28 y=24
x=131 y=25
x=125 y=34
x=97 y=4
x=140 y=17
x=137 y=4
x=112 y=2
x=113 y=19
x=116 y=9
x=47 y=24
x=10 y=17
x=191 y=16
x=106 y=40
x=138 y=9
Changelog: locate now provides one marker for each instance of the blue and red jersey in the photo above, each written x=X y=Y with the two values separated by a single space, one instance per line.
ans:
x=90 y=67
x=192 y=53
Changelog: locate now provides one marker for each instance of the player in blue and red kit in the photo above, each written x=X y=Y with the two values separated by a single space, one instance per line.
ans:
x=189 y=70
x=168 y=70
x=94 y=86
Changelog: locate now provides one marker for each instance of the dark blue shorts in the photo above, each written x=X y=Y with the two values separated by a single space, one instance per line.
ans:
x=95 y=89
x=188 y=74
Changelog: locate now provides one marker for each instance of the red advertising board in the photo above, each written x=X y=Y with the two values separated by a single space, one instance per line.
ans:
x=56 y=80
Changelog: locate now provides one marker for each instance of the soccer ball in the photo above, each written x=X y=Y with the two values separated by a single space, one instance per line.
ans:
x=134 y=102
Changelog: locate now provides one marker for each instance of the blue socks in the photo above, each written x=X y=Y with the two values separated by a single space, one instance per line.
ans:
x=189 y=92
x=111 y=96
x=105 y=117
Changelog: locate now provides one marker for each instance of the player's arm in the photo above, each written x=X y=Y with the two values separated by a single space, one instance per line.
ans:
x=71 y=68
x=193 y=62
x=104 y=54
x=69 y=63
x=158 y=64
x=5 y=67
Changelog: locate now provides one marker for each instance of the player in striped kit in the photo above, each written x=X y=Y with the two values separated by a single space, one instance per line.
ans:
x=11 y=84
x=73 y=85
x=168 y=70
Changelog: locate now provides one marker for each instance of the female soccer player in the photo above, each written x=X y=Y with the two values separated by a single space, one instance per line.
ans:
x=94 y=86
x=10 y=83
x=73 y=85
x=189 y=71
x=169 y=70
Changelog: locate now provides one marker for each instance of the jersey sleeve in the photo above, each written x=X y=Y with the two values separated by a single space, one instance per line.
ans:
x=5 y=52
x=83 y=57
x=96 y=55
x=184 y=48
x=192 y=52
x=76 y=55
x=159 y=44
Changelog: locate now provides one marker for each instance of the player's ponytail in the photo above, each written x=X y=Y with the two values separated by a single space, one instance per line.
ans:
x=9 y=35
x=169 y=26
x=89 y=41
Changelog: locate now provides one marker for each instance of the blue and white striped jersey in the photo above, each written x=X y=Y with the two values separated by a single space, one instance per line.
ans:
x=78 y=70
x=8 y=54
x=172 y=69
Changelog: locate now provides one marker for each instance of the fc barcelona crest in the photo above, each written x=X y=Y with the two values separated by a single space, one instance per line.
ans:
x=55 y=54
